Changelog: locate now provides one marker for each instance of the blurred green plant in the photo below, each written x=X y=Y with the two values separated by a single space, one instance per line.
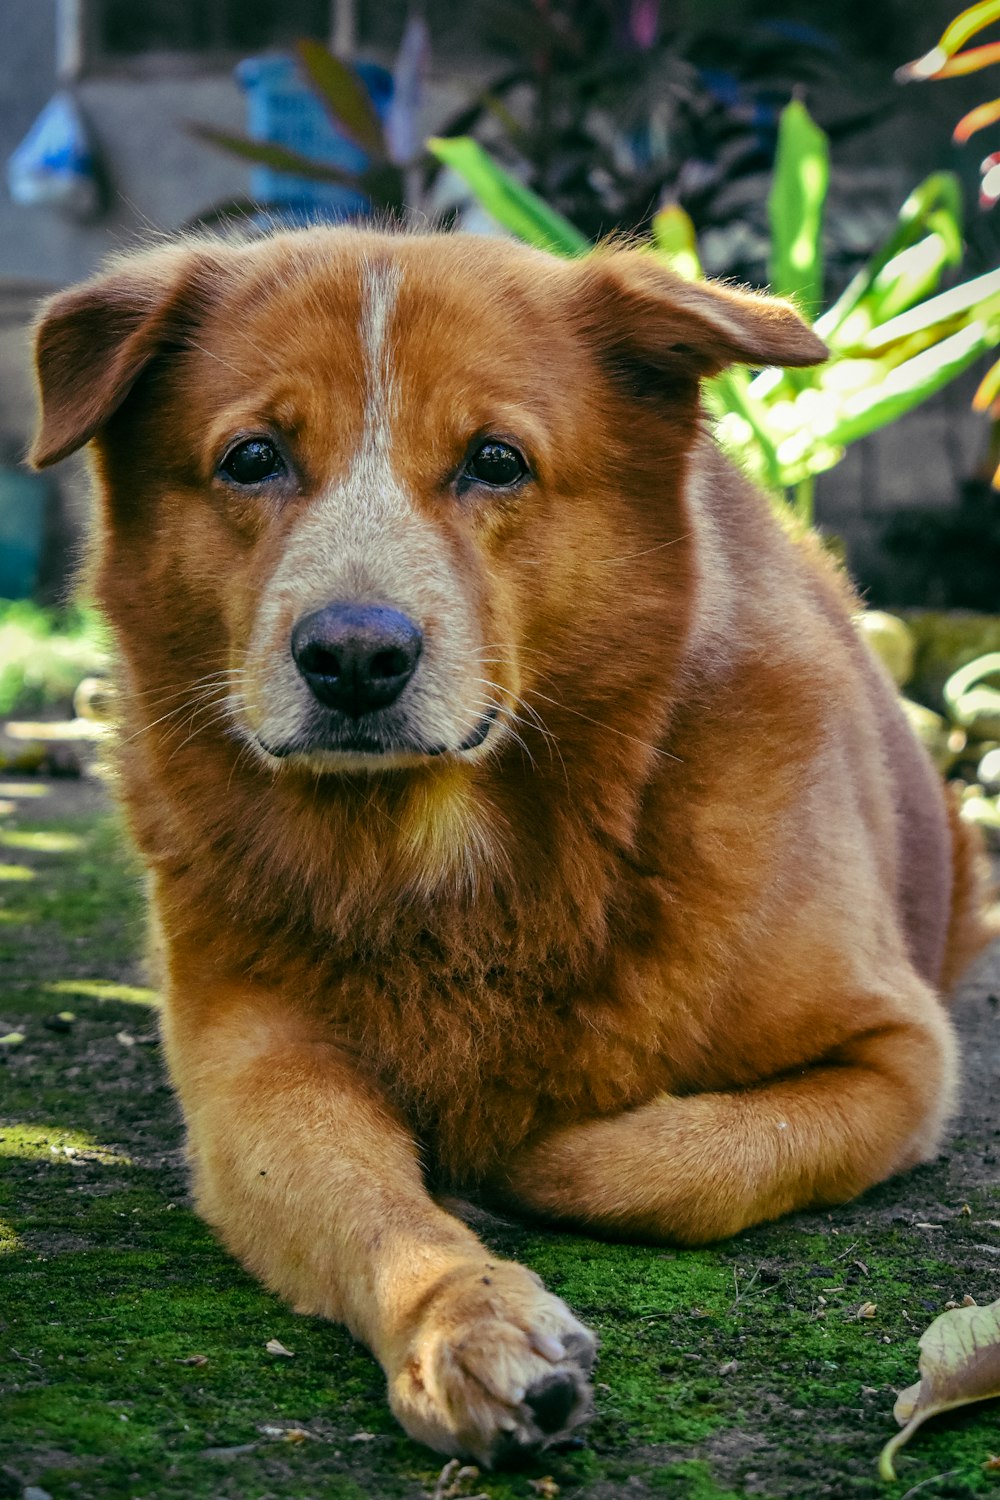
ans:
x=391 y=148
x=894 y=339
x=607 y=108
x=947 y=59
x=45 y=654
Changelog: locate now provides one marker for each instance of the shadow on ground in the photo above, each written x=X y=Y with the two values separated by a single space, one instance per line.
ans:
x=133 y=1358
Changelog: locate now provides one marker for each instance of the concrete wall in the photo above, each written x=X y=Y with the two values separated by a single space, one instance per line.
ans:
x=159 y=177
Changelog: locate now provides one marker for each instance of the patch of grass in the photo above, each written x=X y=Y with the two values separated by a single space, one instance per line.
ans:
x=44 y=654
x=132 y=1348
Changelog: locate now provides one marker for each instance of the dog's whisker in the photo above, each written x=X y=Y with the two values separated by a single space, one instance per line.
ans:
x=646 y=551
x=600 y=724
x=196 y=701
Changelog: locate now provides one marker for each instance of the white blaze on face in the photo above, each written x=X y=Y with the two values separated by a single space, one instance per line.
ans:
x=380 y=289
x=363 y=540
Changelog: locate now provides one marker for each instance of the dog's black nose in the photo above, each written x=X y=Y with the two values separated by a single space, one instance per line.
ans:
x=356 y=657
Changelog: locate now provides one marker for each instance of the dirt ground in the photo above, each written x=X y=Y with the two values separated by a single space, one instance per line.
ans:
x=133 y=1359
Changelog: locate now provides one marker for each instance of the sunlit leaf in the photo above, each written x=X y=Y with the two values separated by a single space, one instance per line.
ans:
x=934 y=207
x=962 y=29
x=910 y=383
x=508 y=201
x=988 y=391
x=675 y=239
x=979 y=297
x=959 y=1363
x=962 y=63
x=727 y=394
x=795 y=207
x=977 y=119
x=911 y=276
x=989 y=188
x=344 y=97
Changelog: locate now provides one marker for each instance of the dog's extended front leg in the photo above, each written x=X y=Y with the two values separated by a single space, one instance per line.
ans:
x=311 y=1178
x=695 y=1168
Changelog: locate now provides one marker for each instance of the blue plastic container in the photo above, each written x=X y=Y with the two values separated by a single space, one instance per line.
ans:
x=281 y=109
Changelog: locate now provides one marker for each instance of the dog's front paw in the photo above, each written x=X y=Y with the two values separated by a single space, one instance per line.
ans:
x=496 y=1367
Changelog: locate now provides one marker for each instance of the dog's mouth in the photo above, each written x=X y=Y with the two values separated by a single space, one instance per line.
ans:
x=337 y=746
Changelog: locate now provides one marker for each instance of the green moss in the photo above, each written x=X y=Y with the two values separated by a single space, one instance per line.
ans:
x=132 y=1348
x=688 y=1480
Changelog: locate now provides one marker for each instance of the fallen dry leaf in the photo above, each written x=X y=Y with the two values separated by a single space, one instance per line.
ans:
x=454 y=1479
x=992 y=1462
x=274 y=1347
x=545 y=1487
x=959 y=1363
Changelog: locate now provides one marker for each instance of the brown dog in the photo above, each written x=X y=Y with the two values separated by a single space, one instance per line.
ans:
x=522 y=811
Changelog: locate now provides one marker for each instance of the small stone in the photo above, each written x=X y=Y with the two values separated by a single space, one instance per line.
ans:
x=62 y=1021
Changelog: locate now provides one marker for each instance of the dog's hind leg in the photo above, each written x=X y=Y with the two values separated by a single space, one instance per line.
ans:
x=700 y=1167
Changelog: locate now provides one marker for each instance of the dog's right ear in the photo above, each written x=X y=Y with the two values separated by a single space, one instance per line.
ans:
x=93 y=341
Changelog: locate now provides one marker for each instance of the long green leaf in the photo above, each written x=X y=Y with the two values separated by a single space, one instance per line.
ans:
x=911 y=383
x=674 y=239
x=508 y=201
x=934 y=207
x=979 y=297
x=278 y=158
x=344 y=97
x=795 y=208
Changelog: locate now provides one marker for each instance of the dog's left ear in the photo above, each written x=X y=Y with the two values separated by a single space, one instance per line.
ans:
x=673 y=331
x=93 y=341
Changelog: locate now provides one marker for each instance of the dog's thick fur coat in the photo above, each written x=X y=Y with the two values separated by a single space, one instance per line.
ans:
x=663 y=956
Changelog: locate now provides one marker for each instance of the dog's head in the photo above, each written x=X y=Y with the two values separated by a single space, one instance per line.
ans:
x=403 y=498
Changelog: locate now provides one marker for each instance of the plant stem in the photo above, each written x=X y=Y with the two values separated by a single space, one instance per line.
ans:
x=802 y=499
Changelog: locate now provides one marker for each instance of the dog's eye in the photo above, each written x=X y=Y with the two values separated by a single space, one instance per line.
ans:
x=496 y=464
x=252 y=461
